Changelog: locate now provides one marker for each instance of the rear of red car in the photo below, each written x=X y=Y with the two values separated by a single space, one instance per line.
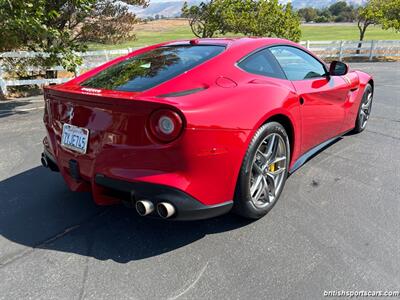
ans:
x=106 y=136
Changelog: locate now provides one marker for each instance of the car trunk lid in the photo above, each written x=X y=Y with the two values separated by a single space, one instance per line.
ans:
x=111 y=122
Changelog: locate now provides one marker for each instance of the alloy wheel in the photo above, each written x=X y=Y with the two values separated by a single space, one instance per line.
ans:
x=268 y=170
x=365 y=110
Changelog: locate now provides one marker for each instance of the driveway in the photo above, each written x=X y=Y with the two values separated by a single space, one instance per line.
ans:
x=335 y=227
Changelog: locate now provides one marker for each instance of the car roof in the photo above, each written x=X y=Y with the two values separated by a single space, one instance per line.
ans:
x=236 y=46
x=234 y=41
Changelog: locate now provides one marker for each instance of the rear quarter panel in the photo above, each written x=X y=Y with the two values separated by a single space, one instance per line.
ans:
x=358 y=80
x=244 y=105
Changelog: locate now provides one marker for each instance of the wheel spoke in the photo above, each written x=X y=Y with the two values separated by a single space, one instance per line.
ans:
x=369 y=98
x=271 y=187
x=267 y=188
x=260 y=189
x=277 y=159
x=366 y=106
x=271 y=146
x=257 y=168
x=274 y=150
x=362 y=116
x=367 y=103
x=277 y=172
x=262 y=156
x=256 y=185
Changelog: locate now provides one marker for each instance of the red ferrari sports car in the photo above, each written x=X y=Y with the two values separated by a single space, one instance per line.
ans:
x=192 y=129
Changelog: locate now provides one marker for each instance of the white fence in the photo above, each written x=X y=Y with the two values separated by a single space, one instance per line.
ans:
x=344 y=49
x=91 y=59
x=325 y=49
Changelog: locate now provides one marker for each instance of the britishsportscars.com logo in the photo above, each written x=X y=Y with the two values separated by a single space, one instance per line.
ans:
x=354 y=294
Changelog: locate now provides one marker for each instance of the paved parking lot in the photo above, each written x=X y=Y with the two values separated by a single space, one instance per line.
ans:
x=336 y=226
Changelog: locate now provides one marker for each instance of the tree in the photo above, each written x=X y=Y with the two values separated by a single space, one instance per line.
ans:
x=342 y=12
x=325 y=14
x=308 y=14
x=384 y=12
x=339 y=7
x=391 y=15
x=63 y=27
x=322 y=19
x=205 y=19
x=261 y=18
x=346 y=16
x=248 y=17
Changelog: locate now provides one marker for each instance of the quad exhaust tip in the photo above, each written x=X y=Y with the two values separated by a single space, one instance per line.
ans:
x=48 y=163
x=165 y=210
x=44 y=161
x=144 y=207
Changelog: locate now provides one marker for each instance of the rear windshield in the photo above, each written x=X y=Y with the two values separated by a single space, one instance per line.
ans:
x=149 y=69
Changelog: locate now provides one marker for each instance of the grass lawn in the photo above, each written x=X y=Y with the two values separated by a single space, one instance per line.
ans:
x=345 y=32
x=165 y=30
x=144 y=38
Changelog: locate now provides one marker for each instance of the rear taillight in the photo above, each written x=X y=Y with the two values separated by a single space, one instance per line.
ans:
x=165 y=125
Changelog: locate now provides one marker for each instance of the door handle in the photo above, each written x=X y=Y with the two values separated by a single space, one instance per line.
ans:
x=301 y=101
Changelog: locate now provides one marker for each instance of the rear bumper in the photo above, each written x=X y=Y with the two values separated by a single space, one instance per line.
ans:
x=196 y=174
x=202 y=163
x=187 y=208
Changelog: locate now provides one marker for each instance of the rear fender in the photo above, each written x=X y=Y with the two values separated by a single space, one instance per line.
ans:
x=358 y=81
x=292 y=125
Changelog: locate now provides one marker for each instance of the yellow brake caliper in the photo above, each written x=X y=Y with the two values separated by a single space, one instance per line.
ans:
x=271 y=168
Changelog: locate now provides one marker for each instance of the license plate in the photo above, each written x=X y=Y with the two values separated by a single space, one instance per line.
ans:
x=75 y=138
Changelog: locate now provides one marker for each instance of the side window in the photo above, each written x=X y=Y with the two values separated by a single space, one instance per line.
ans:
x=262 y=63
x=297 y=64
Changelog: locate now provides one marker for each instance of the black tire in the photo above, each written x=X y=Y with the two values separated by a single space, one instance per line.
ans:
x=361 y=122
x=243 y=203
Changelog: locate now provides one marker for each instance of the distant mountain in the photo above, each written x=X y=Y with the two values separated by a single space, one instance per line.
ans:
x=173 y=8
x=320 y=3
x=165 y=8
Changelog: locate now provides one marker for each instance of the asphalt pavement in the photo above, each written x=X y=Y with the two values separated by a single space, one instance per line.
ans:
x=335 y=227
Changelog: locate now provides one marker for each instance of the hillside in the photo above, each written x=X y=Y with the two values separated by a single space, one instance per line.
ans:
x=153 y=32
x=173 y=8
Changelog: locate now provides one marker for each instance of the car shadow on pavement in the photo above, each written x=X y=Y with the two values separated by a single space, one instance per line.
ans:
x=12 y=104
x=38 y=211
x=8 y=108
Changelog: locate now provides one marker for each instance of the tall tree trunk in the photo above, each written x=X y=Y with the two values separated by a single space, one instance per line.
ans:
x=50 y=74
x=362 y=27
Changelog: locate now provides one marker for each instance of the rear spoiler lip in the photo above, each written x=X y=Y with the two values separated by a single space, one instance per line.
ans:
x=108 y=97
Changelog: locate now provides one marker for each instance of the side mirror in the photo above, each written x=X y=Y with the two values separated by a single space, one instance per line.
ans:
x=338 y=68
